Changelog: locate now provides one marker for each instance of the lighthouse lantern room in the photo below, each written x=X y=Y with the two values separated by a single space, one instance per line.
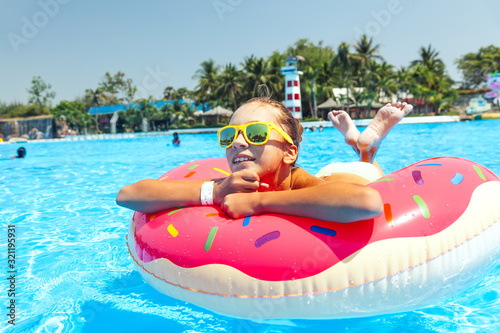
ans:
x=292 y=86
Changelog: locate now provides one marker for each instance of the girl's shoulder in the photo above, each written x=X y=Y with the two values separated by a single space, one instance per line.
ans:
x=301 y=178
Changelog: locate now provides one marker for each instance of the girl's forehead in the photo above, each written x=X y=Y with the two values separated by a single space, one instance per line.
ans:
x=254 y=112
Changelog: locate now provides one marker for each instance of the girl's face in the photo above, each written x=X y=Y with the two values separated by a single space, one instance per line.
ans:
x=264 y=159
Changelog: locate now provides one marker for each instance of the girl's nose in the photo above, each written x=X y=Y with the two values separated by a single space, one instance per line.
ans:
x=240 y=141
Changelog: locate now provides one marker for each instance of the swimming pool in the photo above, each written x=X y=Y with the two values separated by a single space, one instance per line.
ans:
x=74 y=272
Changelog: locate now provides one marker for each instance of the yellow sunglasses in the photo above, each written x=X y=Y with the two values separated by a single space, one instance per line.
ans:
x=256 y=133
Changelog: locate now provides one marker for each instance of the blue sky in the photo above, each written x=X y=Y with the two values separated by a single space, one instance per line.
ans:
x=71 y=44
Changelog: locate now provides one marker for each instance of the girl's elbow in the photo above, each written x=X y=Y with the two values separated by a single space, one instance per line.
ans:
x=124 y=196
x=374 y=203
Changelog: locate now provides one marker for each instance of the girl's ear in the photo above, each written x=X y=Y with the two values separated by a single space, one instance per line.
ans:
x=291 y=154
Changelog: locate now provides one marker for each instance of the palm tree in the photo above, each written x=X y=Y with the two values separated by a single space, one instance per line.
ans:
x=386 y=83
x=187 y=113
x=427 y=71
x=207 y=78
x=311 y=74
x=429 y=59
x=168 y=92
x=131 y=116
x=257 y=71
x=177 y=112
x=405 y=82
x=230 y=84
x=147 y=109
x=276 y=79
x=327 y=80
x=344 y=61
x=366 y=53
x=95 y=97
x=167 y=114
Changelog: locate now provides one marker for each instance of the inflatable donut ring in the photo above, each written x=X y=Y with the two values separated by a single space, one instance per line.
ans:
x=438 y=234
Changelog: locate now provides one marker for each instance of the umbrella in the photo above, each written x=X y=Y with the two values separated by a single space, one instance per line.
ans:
x=329 y=104
x=218 y=111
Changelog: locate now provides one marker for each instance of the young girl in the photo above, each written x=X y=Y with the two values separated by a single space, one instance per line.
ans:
x=261 y=143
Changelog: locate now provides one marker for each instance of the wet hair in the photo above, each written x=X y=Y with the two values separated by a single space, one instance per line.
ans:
x=21 y=152
x=285 y=118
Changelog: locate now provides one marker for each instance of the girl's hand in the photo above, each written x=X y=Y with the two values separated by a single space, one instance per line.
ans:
x=238 y=205
x=243 y=181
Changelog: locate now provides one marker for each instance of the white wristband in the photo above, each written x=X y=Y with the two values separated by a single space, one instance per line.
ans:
x=207 y=193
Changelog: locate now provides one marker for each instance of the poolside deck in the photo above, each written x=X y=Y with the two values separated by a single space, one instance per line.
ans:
x=306 y=125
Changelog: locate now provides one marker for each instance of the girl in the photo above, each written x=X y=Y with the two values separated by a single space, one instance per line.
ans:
x=261 y=144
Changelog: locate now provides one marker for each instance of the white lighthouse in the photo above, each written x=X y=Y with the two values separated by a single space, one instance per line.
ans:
x=292 y=86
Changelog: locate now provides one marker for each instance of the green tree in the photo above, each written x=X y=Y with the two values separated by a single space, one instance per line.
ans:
x=430 y=75
x=40 y=93
x=313 y=79
x=74 y=114
x=475 y=66
x=94 y=98
x=168 y=92
x=386 y=83
x=175 y=112
x=5 y=108
x=167 y=114
x=148 y=111
x=311 y=74
x=22 y=111
x=370 y=72
x=344 y=62
x=405 y=82
x=429 y=59
x=132 y=118
x=188 y=114
x=116 y=89
x=276 y=79
x=366 y=54
x=207 y=77
x=230 y=84
x=182 y=93
x=366 y=51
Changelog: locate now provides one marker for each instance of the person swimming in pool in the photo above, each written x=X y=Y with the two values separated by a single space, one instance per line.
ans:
x=261 y=144
x=21 y=152
x=176 y=141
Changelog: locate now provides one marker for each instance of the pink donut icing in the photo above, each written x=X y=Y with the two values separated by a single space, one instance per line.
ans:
x=419 y=200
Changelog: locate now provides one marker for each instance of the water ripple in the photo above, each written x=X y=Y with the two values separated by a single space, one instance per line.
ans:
x=75 y=273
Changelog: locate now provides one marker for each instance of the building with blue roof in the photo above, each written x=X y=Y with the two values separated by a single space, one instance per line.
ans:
x=111 y=109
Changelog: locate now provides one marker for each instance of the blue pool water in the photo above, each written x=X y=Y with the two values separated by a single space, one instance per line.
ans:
x=74 y=273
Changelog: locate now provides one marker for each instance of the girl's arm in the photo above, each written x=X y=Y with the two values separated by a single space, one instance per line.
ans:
x=316 y=198
x=150 y=195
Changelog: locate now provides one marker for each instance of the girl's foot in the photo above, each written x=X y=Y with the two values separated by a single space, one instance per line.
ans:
x=389 y=115
x=346 y=126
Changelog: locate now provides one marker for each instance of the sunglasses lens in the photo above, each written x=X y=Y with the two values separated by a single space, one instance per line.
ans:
x=257 y=133
x=226 y=137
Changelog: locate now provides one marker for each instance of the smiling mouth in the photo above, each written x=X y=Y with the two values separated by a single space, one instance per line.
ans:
x=242 y=159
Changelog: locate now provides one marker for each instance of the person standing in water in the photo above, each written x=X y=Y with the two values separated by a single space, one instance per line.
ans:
x=176 y=141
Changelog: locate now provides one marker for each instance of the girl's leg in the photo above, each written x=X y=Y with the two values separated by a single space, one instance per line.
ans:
x=386 y=118
x=346 y=126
